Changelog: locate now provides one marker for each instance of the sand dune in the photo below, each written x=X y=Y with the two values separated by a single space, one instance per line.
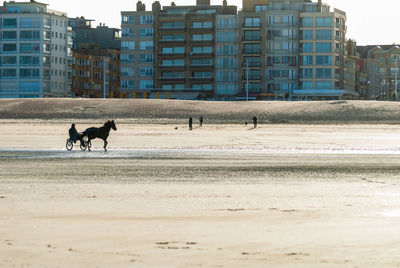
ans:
x=167 y=111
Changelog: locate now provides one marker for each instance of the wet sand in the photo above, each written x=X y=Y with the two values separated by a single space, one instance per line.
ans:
x=220 y=196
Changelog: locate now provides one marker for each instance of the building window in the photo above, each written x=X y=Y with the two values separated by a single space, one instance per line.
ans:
x=252 y=35
x=29 y=73
x=9 y=23
x=8 y=35
x=226 y=76
x=226 y=23
x=128 y=19
x=173 y=25
x=29 y=60
x=202 y=50
x=145 y=71
x=8 y=73
x=173 y=37
x=202 y=87
x=202 y=37
x=308 y=47
x=127 y=84
x=146 y=32
x=172 y=75
x=128 y=45
x=252 y=49
x=323 y=85
x=307 y=22
x=308 y=35
x=146 y=19
x=9 y=48
x=323 y=35
x=146 y=45
x=202 y=24
x=307 y=73
x=202 y=75
x=145 y=84
x=127 y=71
x=231 y=62
x=252 y=22
x=174 y=62
x=173 y=50
x=324 y=60
x=201 y=62
x=29 y=35
x=128 y=32
x=323 y=47
x=226 y=36
x=30 y=23
x=146 y=58
x=324 y=22
x=323 y=73
x=8 y=60
x=260 y=8
x=308 y=60
x=128 y=58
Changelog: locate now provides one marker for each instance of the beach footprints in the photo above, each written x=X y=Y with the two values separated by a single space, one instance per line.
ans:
x=175 y=245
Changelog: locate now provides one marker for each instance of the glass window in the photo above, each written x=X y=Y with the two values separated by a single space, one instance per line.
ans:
x=324 y=22
x=8 y=35
x=128 y=19
x=29 y=73
x=252 y=49
x=128 y=32
x=203 y=50
x=226 y=76
x=146 y=58
x=308 y=60
x=323 y=34
x=127 y=58
x=173 y=50
x=324 y=60
x=29 y=35
x=308 y=35
x=252 y=22
x=128 y=45
x=6 y=23
x=260 y=8
x=202 y=24
x=307 y=22
x=174 y=62
x=308 y=73
x=226 y=36
x=307 y=85
x=173 y=37
x=323 y=85
x=206 y=11
x=8 y=73
x=324 y=73
x=8 y=60
x=172 y=75
x=146 y=19
x=145 y=71
x=231 y=62
x=29 y=60
x=226 y=49
x=146 y=32
x=226 y=22
x=173 y=25
x=146 y=45
x=202 y=74
x=127 y=71
x=308 y=47
x=30 y=22
x=202 y=37
x=252 y=35
x=127 y=84
x=9 y=47
x=324 y=47
x=145 y=84
x=202 y=62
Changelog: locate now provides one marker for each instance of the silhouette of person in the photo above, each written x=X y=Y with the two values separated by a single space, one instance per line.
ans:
x=201 y=119
x=190 y=123
x=73 y=133
x=255 y=121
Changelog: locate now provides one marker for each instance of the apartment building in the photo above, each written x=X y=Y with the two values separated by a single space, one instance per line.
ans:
x=291 y=49
x=383 y=62
x=96 y=72
x=183 y=52
x=35 y=51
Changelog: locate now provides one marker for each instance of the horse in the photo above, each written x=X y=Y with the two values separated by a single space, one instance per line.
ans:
x=101 y=133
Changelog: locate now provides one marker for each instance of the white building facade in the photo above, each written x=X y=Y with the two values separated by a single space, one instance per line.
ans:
x=35 y=51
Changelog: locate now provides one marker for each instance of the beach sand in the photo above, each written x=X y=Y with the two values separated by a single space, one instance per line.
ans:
x=281 y=195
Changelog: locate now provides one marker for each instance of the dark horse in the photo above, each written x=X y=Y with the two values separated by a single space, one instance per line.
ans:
x=101 y=132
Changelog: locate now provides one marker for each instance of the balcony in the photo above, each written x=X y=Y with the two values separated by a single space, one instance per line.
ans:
x=251 y=64
x=251 y=25
x=251 y=51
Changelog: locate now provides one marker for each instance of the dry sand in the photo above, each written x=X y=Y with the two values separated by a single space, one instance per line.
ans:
x=281 y=195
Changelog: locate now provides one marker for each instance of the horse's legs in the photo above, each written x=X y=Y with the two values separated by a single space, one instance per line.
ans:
x=88 y=144
x=105 y=145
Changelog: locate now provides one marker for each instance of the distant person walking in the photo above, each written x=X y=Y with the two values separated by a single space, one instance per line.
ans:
x=255 y=121
x=201 y=119
x=190 y=123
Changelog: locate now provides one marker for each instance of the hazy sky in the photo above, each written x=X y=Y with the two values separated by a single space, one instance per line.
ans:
x=369 y=22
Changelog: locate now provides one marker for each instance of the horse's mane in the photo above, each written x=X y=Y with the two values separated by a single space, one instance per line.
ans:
x=106 y=123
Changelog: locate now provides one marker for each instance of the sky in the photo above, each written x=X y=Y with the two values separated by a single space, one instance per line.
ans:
x=369 y=22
